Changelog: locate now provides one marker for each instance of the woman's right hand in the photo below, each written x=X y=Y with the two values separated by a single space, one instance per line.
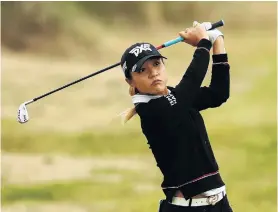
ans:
x=193 y=35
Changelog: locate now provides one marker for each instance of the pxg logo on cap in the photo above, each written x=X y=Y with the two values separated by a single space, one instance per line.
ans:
x=138 y=49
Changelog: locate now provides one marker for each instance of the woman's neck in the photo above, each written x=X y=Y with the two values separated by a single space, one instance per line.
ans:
x=162 y=93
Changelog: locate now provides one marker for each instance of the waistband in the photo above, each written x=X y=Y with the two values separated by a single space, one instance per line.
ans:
x=195 y=202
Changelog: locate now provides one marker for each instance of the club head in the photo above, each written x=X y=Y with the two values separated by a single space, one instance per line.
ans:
x=22 y=114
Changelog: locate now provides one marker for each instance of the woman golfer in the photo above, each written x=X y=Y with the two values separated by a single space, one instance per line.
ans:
x=172 y=123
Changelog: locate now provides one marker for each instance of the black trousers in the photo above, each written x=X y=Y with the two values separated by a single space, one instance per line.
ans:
x=221 y=206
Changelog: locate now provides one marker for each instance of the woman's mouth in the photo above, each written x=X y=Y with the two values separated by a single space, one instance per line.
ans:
x=155 y=82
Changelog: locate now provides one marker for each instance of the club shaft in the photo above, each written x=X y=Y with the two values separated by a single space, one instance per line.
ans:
x=74 y=82
x=29 y=102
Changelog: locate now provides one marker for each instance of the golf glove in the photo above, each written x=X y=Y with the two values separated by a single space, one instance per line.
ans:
x=213 y=34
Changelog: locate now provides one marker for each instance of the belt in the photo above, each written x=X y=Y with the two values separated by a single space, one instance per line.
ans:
x=210 y=200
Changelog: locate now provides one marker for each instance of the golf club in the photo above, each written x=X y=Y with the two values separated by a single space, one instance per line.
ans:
x=22 y=114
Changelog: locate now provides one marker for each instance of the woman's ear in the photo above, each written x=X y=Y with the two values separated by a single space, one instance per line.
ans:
x=132 y=89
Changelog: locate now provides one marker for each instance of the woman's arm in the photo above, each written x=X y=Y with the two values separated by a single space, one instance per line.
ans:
x=218 y=46
x=219 y=89
x=189 y=86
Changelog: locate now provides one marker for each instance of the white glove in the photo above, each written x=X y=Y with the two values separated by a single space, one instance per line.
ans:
x=213 y=34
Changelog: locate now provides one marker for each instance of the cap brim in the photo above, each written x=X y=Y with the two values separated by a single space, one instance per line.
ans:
x=144 y=59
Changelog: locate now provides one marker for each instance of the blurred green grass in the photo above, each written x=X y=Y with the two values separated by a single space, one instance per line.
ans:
x=122 y=196
x=242 y=167
x=125 y=143
x=76 y=143
x=247 y=159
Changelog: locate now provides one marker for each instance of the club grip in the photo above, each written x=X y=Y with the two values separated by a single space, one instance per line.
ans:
x=179 y=39
x=217 y=24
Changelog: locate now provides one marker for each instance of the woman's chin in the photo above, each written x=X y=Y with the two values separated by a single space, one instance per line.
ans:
x=159 y=89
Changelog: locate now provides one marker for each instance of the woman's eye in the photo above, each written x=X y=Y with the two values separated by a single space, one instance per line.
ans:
x=156 y=63
x=141 y=70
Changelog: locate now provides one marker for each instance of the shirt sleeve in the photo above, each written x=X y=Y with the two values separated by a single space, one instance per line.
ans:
x=219 y=89
x=190 y=84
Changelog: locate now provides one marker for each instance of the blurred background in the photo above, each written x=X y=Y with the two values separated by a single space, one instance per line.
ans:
x=75 y=155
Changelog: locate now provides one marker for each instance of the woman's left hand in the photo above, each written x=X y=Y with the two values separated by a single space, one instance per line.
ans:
x=213 y=34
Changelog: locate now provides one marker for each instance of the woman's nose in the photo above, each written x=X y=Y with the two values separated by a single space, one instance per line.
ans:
x=154 y=72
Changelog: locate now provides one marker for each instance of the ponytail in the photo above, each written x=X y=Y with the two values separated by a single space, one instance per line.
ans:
x=129 y=113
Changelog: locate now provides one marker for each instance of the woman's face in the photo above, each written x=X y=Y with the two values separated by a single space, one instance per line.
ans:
x=152 y=79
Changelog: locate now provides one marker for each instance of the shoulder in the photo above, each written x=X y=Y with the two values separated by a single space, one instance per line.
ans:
x=154 y=105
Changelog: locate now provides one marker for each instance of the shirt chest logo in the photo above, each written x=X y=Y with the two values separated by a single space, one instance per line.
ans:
x=172 y=99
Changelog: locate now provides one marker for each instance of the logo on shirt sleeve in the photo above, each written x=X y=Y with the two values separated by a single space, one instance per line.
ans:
x=172 y=99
